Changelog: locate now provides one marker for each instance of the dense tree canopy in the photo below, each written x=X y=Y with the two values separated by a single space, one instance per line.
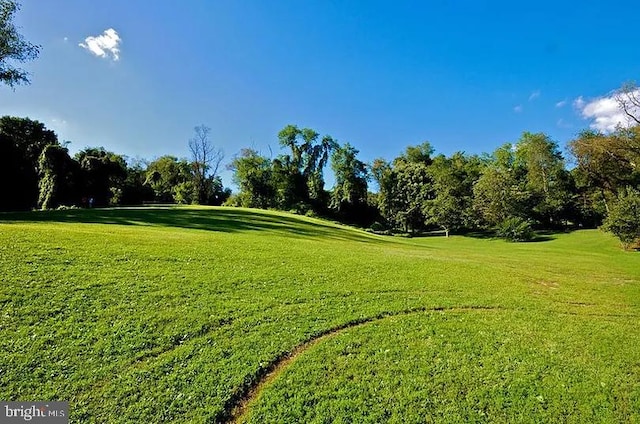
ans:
x=522 y=186
x=452 y=178
x=43 y=174
x=13 y=46
x=104 y=173
x=59 y=177
x=21 y=144
x=349 y=195
x=253 y=175
x=624 y=218
x=168 y=176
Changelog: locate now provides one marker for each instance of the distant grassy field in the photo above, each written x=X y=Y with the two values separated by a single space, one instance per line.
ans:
x=175 y=314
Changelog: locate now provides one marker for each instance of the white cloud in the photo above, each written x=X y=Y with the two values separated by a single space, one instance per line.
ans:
x=59 y=125
x=517 y=109
x=563 y=124
x=57 y=121
x=534 y=95
x=105 y=45
x=561 y=103
x=604 y=112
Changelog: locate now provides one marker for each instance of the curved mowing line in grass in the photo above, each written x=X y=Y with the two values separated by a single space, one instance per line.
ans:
x=238 y=406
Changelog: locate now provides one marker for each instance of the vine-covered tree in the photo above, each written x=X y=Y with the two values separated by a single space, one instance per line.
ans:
x=21 y=144
x=59 y=175
x=103 y=176
x=299 y=175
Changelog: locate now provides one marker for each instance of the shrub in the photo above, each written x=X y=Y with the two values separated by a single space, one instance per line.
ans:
x=66 y=207
x=235 y=200
x=378 y=226
x=515 y=229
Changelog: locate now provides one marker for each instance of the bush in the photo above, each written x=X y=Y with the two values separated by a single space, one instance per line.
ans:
x=235 y=200
x=624 y=219
x=311 y=214
x=378 y=226
x=66 y=207
x=300 y=208
x=515 y=229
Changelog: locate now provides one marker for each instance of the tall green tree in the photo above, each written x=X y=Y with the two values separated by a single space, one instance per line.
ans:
x=452 y=178
x=300 y=173
x=349 y=195
x=547 y=181
x=291 y=190
x=59 y=178
x=165 y=174
x=623 y=220
x=253 y=174
x=135 y=190
x=500 y=192
x=103 y=175
x=404 y=187
x=387 y=200
x=606 y=164
x=417 y=154
x=13 y=47
x=319 y=155
x=413 y=190
x=22 y=141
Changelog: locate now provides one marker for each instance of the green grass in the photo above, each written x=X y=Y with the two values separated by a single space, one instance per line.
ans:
x=169 y=314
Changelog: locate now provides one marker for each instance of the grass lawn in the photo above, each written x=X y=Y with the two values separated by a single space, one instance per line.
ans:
x=173 y=314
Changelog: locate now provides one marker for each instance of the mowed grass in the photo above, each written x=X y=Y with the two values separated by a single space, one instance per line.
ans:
x=170 y=314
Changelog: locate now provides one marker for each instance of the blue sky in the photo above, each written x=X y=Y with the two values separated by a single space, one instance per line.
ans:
x=380 y=75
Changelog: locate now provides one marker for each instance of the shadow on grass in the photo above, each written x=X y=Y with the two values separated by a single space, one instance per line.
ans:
x=219 y=219
x=539 y=235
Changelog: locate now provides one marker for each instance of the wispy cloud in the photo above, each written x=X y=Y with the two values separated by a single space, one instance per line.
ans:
x=518 y=109
x=59 y=122
x=604 y=112
x=106 y=45
x=59 y=125
x=563 y=124
x=561 y=103
x=534 y=95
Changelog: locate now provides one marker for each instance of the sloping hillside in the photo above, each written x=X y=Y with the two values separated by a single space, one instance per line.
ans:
x=177 y=314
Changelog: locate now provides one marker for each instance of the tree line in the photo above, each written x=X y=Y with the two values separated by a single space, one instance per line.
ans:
x=520 y=187
x=41 y=174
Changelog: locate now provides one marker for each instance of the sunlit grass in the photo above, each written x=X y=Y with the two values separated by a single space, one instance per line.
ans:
x=168 y=314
